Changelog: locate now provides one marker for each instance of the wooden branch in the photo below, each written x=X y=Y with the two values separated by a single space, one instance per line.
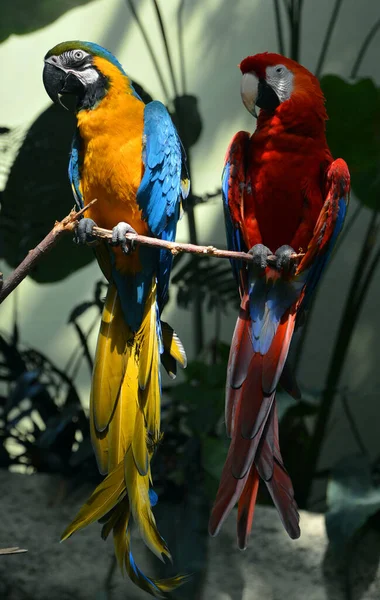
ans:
x=174 y=247
x=69 y=223
x=14 y=550
x=178 y=247
x=60 y=227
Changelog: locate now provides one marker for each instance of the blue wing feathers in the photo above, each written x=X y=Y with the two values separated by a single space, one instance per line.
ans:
x=74 y=169
x=163 y=186
x=234 y=238
x=268 y=301
x=316 y=270
x=161 y=189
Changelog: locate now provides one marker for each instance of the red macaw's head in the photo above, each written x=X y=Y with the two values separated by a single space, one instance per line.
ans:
x=277 y=84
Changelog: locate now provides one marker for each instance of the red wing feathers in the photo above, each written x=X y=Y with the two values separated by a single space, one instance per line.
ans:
x=330 y=219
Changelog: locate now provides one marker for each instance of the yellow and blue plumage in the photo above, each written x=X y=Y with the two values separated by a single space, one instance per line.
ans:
x=129 y=157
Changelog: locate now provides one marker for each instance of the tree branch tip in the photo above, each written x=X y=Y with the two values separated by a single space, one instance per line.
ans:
x=15 y=550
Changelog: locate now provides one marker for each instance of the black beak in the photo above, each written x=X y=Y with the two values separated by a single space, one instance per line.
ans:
x=57 y=81
x=266 y=97
x=54 y=81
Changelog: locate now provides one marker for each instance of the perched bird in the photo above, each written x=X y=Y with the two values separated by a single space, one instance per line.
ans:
x=129 y=157
x=285 y=201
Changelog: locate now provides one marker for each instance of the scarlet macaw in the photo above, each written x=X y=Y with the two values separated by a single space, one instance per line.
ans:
x=283 y=195
x=129 y=157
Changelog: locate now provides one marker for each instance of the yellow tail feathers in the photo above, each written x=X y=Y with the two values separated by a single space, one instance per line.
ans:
x=125 y=424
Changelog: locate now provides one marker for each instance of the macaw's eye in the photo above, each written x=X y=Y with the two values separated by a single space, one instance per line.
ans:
x=78 y=55
x=279 y=70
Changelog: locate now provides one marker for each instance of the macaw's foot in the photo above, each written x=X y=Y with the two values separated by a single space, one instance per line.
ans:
x=286 y=260
x=260 y=254
x=83 y=232
x=119 y=239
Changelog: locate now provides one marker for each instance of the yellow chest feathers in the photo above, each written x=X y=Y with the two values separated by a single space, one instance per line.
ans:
x=112 y=165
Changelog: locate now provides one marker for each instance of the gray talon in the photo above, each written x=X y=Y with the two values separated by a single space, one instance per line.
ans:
x=119 y=239
x=260 y=254
x=285 y=262
x=83 y=232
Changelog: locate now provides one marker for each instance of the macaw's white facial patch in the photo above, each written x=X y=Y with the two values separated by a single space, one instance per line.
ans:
x=87 y=75
x=280 y=80
x=249 y=90
x=80 y=63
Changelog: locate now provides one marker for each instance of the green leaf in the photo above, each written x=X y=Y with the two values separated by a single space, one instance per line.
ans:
x=216 y=282
x=20 y=17
x=351 y=499
x=187 y=119
x=37 y=193
x=209 y=376
x=353 y=132
x=284 y=403
x=214 y=452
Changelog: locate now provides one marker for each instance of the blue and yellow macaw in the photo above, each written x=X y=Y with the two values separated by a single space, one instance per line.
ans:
x=129 y=157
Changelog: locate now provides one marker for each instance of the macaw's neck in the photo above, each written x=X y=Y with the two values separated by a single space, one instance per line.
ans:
x=297 y=117
x=115 y=104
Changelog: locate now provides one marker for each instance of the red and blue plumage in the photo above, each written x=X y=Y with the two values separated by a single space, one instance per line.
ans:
x=283 y=194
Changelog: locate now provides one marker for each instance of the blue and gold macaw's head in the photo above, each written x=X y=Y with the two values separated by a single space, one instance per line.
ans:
x=85 y=70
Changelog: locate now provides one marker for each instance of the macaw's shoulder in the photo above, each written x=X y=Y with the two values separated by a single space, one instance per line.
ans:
x=165 y=178
x=327 y=228
x=160 y=134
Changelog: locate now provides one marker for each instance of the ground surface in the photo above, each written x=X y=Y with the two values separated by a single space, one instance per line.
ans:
x=272 y=568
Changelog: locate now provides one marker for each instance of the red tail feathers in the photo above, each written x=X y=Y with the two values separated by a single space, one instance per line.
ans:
x=251 y=421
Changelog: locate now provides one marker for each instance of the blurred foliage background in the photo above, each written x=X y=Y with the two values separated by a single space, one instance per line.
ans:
x=43 y=408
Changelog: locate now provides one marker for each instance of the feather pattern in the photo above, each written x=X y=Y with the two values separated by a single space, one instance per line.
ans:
x=173 y=350
x=129 y=157
x=246 y=507
x=74 y=170
x=280 y=187
x=110 y=360
x=233 y=184
x=164 y=183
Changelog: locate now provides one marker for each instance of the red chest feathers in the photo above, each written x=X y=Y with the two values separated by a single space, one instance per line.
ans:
x=283 y=191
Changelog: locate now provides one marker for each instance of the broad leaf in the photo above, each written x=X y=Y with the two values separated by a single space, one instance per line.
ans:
x=353 y=132
x=22 y=16
x=351 y=498
x=214 y=453
x=37 y=193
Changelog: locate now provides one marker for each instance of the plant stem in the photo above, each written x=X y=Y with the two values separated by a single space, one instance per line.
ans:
x=367 y=280
x=294 y=15
x=371 y=34
x=353 y=425
x=180 y=46
x=86 y=351
x=197 y=315
x=150 y=50
x=297 y=354
x=280 y=36
x=177 y=247
x=68 y=224
x=14 y=550
x=347 y=326
x=327 y=38
x=75 y=359
x=166 y=44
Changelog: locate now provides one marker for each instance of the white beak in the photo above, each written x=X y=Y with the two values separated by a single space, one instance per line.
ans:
x=249 y=90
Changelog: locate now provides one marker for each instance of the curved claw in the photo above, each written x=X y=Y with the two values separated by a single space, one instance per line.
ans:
x=260 y=254
x=284 y=261
x=83 y=232
x=119 y=239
